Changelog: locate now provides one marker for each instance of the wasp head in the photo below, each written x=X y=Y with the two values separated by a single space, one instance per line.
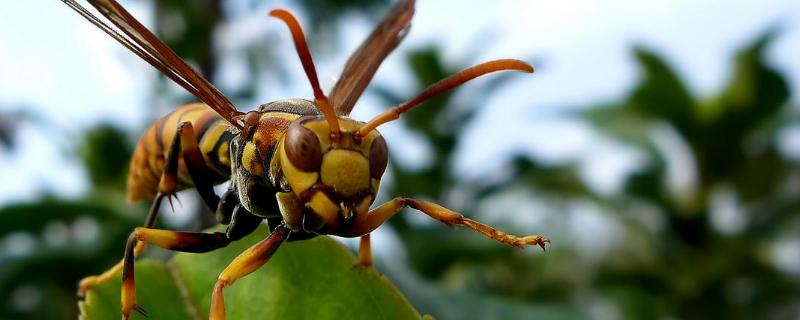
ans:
x=335 y=174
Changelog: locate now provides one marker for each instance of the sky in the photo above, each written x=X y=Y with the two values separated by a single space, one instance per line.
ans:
x=56 y=65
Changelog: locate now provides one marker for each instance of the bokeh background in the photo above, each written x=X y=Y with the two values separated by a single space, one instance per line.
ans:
x=657 y=146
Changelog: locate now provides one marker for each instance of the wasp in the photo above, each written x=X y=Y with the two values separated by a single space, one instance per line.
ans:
x=302 y=165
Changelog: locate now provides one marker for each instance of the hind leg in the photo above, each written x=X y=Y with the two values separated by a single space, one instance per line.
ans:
x=185 y=141
x=242 y=223
x=171 y=240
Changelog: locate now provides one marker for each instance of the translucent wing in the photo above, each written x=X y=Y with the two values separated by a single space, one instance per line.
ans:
x=365 y=61
x=134 y=36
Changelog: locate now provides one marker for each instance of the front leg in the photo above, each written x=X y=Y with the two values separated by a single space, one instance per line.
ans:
x=365 y=251
x=367 y=223
x=247 y=262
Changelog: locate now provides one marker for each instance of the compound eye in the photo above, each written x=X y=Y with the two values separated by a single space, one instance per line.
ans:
x=378 y=157
x=302 y=147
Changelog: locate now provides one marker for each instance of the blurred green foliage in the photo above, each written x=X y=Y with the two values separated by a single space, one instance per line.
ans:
x=699 y=269
x=686 y=268
x=49 y=244
x=671 y=257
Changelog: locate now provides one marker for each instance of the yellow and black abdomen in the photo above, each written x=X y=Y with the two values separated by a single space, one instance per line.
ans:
x=147 y=163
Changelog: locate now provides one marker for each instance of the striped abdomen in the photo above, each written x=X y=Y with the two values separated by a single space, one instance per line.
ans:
x=147 y=163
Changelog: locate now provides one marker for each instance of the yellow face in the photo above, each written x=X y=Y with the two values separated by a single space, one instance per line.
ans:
x=335 y=177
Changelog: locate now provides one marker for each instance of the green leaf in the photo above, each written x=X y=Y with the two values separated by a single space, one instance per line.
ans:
x=756 y=89
x=737 y=143
x=310 y=279
x=624 y=124
x=662 y=94
x=157 y=290
x=106 y=154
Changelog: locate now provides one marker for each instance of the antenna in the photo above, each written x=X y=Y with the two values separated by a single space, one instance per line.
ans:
x=444 y=85
x=300 y=44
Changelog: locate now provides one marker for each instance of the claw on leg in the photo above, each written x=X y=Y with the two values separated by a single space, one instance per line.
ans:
x=171 y=204
x=500 y=236
x=126 y=313
x=140 y=310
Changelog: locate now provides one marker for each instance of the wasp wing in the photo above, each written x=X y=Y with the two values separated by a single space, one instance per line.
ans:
x=147 y=46
x=365 y=61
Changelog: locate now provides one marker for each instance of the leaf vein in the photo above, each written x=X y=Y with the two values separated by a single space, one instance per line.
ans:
x=191 y=306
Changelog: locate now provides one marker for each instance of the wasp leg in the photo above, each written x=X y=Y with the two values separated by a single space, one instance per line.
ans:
x=196 y=166
x=172 y=240
x=242 y=223
x=365 y=252
x=377 y=216
x=227 y=204
x=90 y=282
x=247 y=262
x=187 y=141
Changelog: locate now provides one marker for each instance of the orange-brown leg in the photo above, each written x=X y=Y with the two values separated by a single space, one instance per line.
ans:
x=379 y=215
x=172 y=240
x=247 y=262
x=365 y=252
x=185 y=141
x=90 y=282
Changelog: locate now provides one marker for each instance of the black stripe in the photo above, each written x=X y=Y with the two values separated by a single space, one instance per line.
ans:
x=209 y=123
x=179 y=113
x=213 y=155
x=159 y=134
